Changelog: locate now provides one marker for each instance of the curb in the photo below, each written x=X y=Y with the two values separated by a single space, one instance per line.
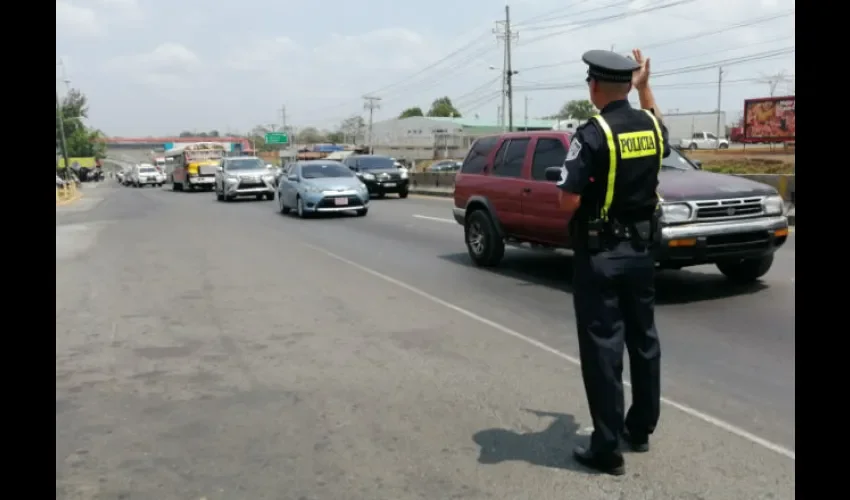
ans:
x=432 y=192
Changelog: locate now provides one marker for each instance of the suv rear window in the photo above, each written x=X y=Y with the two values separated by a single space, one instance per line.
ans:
x=547 y=153
x=476 y=160
x=509 y=159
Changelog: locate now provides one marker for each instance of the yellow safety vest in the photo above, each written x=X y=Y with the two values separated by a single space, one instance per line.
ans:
x=612 y=158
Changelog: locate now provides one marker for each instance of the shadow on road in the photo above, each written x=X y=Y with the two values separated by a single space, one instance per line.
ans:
x=671 y=287
x=551 y=447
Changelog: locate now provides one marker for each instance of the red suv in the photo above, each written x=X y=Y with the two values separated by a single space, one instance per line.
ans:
x=502 y=196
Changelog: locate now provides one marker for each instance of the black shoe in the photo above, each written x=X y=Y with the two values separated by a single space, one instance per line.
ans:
x=638 y=444
x=609 y=464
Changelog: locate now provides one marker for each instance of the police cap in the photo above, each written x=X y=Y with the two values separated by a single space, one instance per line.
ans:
x=607 y=66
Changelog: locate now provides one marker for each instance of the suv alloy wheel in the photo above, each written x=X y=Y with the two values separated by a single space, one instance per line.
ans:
x=485 y=246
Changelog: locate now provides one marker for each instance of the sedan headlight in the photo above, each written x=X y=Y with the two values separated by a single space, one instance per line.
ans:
x=773 y=205
x=675 y=212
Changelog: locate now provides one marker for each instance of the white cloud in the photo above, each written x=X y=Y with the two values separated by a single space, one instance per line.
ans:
x=127 y=9
x=75 y=20
x=168 y=66
x=262 y=55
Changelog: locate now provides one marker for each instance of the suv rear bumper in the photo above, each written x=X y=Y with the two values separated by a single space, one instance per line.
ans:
x=705 y=243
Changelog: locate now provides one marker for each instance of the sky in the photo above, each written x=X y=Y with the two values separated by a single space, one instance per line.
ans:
x=153 y=67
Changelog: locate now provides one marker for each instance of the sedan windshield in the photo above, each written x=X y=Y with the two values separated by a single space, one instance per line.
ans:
x=324 y=170
x=677 y=161
x=246 y=164
x=375 y=163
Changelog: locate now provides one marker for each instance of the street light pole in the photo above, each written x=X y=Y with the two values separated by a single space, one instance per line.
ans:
x=62 y=142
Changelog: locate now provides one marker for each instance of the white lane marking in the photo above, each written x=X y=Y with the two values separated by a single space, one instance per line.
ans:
x=705 y=417
x=438 y=219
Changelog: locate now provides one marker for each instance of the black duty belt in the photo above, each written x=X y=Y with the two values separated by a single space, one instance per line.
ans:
x=633 y=231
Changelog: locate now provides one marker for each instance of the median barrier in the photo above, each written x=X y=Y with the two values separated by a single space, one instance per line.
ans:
x=67 y=193
x=422 y=181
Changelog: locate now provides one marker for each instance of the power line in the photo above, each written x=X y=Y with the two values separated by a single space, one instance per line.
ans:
x=572 y=14
x=603 y=20
x=671 y=41
x=692 y=68
x=549 y=15
x=666 y=86
x=433 y=65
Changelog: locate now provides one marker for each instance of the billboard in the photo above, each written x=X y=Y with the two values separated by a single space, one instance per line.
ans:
x=770 y=119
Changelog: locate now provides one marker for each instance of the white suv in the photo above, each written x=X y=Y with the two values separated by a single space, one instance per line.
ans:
x=146 y=174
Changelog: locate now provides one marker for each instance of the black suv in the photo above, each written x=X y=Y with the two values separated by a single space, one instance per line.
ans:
x=380 y=174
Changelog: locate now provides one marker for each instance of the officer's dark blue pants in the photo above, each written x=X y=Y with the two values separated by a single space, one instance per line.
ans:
x=614 y=295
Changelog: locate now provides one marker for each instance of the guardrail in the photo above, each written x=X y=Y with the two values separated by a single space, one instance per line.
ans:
x=784 y=183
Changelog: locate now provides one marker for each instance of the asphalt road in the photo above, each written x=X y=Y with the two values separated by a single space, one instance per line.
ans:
x=223 y=351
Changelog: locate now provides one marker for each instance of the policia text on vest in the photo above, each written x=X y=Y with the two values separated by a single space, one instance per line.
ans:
x=637 y=144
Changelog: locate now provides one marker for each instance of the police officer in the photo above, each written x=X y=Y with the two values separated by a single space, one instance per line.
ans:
x=609 y=180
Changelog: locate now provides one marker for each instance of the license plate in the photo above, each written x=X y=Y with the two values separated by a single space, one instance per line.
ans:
x=389 y=184
x=341 y=201
x=151 y=179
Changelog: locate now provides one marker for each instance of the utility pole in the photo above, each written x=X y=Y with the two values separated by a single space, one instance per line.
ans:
x=62 y=143
x=719 y=89
x=61 y=119
x=526 y=113
x=372 y=103
x=499 y=116
x=509 y=73
x=503 y=33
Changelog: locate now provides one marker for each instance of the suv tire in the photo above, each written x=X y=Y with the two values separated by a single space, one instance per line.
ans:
x=483 y=243
x=746 y=270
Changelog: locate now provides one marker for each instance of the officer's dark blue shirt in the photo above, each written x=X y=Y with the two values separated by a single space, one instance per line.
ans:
x=588 y=143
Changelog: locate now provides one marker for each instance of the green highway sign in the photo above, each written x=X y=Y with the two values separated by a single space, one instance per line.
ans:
x=277 y=138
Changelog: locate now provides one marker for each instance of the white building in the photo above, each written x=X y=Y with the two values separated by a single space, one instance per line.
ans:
x=428 y=138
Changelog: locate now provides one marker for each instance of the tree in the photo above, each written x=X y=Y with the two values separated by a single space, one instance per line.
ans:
x=443 y=107
x=80 y=140
x=336 y=137
x=579 y=109
x=84 y=143
x=310 y=135
x=186 y=133
x=74 y=107
x=352 y=128
x=414 y=111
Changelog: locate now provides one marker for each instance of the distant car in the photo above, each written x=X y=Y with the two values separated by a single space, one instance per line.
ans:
x=444 y=166
x=321 y=186
x=380 y=174
x=243 y=176
x=147 y=175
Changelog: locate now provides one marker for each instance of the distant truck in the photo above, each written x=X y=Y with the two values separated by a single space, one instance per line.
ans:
x=704 y=140
x=767 y=120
